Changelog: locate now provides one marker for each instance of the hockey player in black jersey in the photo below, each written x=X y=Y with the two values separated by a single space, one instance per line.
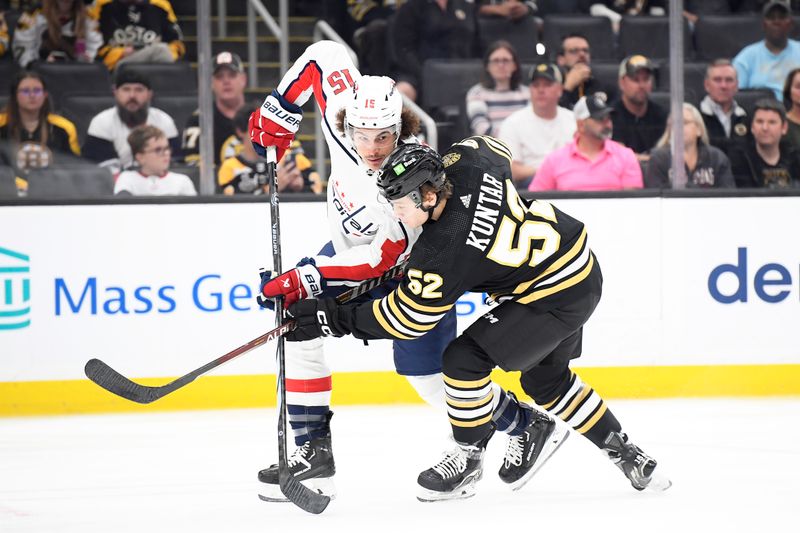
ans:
x=535 y=262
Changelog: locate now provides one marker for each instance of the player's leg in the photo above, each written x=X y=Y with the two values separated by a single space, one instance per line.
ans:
x=308 y=393
x=561 y=392
x=420 y=360
x=308 y=398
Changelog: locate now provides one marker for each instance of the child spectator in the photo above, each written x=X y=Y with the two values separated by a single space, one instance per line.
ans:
x=152 y=177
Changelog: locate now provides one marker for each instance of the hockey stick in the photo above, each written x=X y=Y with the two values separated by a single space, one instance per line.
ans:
x=115 y=383
x=302 y=496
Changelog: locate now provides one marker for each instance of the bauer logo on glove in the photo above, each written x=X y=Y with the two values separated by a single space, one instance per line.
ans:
x=302 y=282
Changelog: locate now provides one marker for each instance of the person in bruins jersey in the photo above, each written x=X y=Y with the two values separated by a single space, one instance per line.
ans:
x=535 y=262
x=31 y=136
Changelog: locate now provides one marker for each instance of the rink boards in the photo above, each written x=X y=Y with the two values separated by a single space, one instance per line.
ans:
x=701 y=298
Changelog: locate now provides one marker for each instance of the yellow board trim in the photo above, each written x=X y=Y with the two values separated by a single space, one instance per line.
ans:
x=386 y=387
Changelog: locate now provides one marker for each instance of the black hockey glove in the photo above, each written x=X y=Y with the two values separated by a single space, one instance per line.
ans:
x=316 y=318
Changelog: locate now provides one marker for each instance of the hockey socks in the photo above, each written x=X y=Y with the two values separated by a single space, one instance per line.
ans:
x=307 y=403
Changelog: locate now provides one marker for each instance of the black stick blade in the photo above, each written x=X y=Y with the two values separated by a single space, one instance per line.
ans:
x=115 y=383
x=300 y=495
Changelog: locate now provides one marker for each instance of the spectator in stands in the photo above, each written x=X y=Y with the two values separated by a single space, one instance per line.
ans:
x=30 y=134
x=726 y=121
x=575 y=58
x=3 y=33
x=509 y=9
x=765 y=162
x=705 y=165
x=791 y=100
x=592 y=161
x=538 y=129
x=61 y=30
x=228 y=83
x=638 y=122
x=431 y=29
x=500 y=91
x=766 y=63
x=138 y=31
x=152 y=176
x=107 y=139
x=368 y=22
x=615 y=9
x=245 y=173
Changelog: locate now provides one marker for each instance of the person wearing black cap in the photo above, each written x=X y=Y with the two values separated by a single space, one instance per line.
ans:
x=107 y=139
x=592 y=161
x=228 y=82
x=638 y=122
x=540 y=127
x=767 y=62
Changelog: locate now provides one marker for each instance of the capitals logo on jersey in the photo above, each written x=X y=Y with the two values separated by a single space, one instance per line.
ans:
x=355 y=218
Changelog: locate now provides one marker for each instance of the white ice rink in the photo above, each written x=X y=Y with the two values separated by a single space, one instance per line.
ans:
x=735 y=465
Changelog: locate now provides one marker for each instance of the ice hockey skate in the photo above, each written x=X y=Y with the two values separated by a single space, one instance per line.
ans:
x=455 y=476
x=312 y=464
x=637 y=466
x=528 y=452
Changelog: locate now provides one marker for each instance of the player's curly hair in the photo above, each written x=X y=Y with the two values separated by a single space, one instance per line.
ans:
x=409 y=122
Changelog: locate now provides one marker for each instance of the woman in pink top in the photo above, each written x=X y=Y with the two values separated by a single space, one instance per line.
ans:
x=592 y=161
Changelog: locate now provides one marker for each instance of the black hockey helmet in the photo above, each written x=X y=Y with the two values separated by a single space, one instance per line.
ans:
x=409 y=167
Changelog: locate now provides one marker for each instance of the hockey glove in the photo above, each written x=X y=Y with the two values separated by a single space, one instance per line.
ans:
x=316 y=318
x=274 y=124
x=301 y=282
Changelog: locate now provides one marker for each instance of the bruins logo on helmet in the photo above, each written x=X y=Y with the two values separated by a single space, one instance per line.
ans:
x=450 y=158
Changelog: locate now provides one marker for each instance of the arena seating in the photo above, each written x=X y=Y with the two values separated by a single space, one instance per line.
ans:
x=70 y=182
x=167 y=78
x=596 y=29
x=648 y=36
x=522 y=34
x=68 y=79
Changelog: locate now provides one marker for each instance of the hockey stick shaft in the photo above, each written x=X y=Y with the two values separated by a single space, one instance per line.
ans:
x=296 y=492
x=114 y=382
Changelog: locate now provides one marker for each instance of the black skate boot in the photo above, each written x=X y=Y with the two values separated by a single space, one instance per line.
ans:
x=453 y=477
x=312 y=464
x=528 y=452
x=637 y=466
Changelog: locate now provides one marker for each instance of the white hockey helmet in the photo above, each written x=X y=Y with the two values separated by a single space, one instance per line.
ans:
x=376 y=104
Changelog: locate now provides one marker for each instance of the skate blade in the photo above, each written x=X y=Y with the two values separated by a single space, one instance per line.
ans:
x=658 y=483
x=464 y=491
x=272 y=493
x=555 y=441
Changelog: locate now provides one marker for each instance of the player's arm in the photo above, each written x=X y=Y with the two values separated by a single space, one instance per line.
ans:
x=325 y=69
x=408 y=312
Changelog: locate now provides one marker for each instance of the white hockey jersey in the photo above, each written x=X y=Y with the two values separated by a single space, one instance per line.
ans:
x=366 y=236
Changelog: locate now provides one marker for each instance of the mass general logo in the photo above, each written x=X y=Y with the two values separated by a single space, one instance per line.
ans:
x=15 y=290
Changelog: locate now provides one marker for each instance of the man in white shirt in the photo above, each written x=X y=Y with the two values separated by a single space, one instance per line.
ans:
x=151 y=151
x=107 y=139
x=540 y=128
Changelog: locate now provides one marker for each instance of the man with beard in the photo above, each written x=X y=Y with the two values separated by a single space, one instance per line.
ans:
x=592 y=161
x=575 y=58
x=638 y=122
x=107 y=138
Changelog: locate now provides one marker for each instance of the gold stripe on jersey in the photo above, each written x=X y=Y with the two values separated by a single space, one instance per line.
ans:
x=498 y=147
x=557 y=265
x=400 y=315
x=376 y=310
x=419 y=307
x=569 y=282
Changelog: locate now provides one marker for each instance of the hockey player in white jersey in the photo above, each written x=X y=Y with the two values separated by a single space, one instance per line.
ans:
x=363 y=120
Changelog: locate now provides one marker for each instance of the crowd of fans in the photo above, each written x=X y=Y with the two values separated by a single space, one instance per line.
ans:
x=567 y=128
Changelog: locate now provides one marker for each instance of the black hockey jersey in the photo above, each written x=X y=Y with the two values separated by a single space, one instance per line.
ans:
x=487 y=239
